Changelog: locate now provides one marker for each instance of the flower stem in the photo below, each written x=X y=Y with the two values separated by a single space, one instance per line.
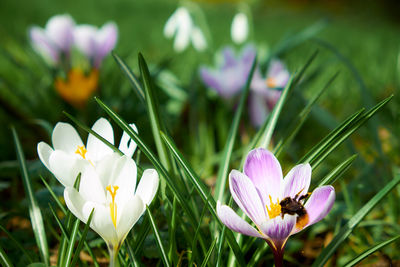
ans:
x=113 y=256
x=278 y=253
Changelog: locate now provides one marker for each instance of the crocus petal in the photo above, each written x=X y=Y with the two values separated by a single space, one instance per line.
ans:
x=106 y=39
x=124 y=175
x=96 y=148
x=75 y=202
x=148 y=186
x=105 y=168
x=234 y=222
x=65 y=167
x=229 y=57
x=66 y=138
x=320 y=203
x=275 y=67
x=84 y=39
x=43 y=45
x=129 y=214
x=44 y=152
x=239 y=28
x=264 y=170
x=248 y=54
x=258 y=109
x=90 y=186
x=297 y=181
x=60 y=30
x=246 y=197
x=101 y=221
x=211 y=79
x=127 y=145
x=278 y=229
x=198 y=39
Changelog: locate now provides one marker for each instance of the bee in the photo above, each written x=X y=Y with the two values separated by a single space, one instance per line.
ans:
x=294 y=206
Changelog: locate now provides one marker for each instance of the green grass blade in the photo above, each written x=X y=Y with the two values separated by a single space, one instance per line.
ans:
x=209 y=252
x=82 y=240
x=54 y=195
x=141 y=236
x=370 y=251
x=4 y=259
x=227 y=154
x=258 y=254
x=34 y=210
x=131 y=76
x=345 y=231
x=71 y=243
x=338 y=171
x=172 y=233
x=196 y=234
x=152 y=108
x=17 y=244
x=158 y=239
x=60 y=225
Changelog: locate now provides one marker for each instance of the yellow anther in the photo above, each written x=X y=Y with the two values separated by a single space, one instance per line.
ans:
x=113 y=205
x=275 y=209
x=271 y=82
x=81 y=151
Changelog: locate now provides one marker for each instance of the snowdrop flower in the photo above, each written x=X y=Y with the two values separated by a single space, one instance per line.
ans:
x=54 y=39
x=96 y=43
x=275 y=205
x=230 y=77
x=181 y=25
x=240 y=28
x=69 y=156
x=109 y=189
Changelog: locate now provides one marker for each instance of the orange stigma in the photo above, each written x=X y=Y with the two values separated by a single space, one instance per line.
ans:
x=275 y=209
x=271 y=82
x=78 y=87
x=113 y=205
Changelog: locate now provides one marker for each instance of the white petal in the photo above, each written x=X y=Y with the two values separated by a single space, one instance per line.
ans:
x=43 y=45
x=60 y=30
x=85 y=39
x=96 y=148
x=65 y=167
x=171 y=26
x=124 y=176
x=44 y=152
x=198 y=39
x=75 y=202
x=105 y=168
x=66 y=138
x=127 y=145
x=240 y=28
x=184 y=30
x=130 y=213
x=148 y=186
x=90 y=186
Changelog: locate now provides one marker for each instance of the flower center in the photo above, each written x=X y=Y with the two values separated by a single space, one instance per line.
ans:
x=271 y=82
x=113 y=205
x=275 y=208
x=81 y=151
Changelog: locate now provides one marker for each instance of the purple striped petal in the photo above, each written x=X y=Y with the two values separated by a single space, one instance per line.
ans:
x=106 y=38
x=258 y=109
x=229 y=58
x=275 y=67
x=234 y=222
x=265 y=172
x=278 y=229
x=246 y=197
x=320 y=203
x=297 y=181
x=42 y=44
x=60 y=30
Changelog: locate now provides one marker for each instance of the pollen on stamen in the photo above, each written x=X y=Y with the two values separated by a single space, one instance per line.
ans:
x=275 y=209
x=113 y=205
x=271 y=82
x=81 y=151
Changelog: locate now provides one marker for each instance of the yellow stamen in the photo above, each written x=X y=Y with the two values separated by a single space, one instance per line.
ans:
x=275 y=209
x=78 y=87
x=81 y=151
x=113 y=205
x=271 y=82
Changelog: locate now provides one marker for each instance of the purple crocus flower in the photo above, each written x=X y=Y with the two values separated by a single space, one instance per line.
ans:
x=268 y=200
x=230 y=77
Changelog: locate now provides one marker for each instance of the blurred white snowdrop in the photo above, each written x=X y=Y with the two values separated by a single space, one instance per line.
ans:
x=55 y=38
x=240 y=28
x=181 y=25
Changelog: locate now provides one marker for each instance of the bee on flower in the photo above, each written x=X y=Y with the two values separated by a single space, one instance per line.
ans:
x=55 y=43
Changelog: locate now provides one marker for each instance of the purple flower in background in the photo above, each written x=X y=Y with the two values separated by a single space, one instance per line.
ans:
x=229 y=78
x=275 y=205
x=96 y=43
x=54 y=39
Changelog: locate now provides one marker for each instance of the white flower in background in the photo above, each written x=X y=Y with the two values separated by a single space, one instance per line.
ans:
x=109 y=189
x=240 y=28
x=96 y=43
x=54 y=39
x=69 y=156
x=181 y=25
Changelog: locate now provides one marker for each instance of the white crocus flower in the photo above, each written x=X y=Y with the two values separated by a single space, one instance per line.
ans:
x=69 y=156
x=240 y=28
x=96 y=43
x=181 y=25
x=109 y=189
x=56 y=37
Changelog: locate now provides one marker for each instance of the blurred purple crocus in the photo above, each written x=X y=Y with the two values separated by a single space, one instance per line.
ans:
x=96 y=43
x=55 y=38
x=274 y=203
x=229 y=78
